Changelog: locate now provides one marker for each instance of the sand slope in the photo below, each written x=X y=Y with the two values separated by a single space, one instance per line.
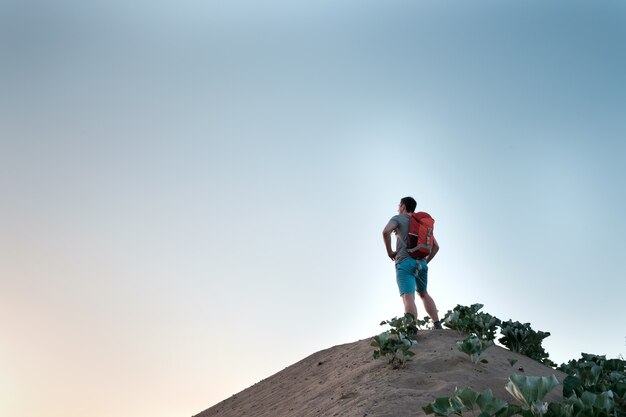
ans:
x=345 y=381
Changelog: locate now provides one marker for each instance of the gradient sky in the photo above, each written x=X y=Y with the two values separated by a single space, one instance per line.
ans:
x=192 y=193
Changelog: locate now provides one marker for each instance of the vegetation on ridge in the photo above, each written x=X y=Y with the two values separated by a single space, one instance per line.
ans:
x=594 y=387
x=481 y=327
x=529 y=391
x=395 y=344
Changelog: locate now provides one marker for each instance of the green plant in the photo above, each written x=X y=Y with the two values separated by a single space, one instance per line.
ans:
x=529 y=391
x=395 y=343
x=588 y=405
x=473 y=346
x=460 y=317
x=595 y=386
x=466 y=399
x=593 y=374
x=468 y=320
x=523 y=339
x=480 y=326
x=403 y=327
x=425 y=323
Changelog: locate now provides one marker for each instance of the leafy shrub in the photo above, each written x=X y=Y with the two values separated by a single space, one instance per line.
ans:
x=460 y=317
x=523 y=339
x=425 y=323
x=529 y=391
x=403 y=327
x=516 y=336
x=473 y=346
x=480 y=326
x=588 y=405
x=595 y=386
x=469 y=320
x=466 y=399
x=593 y=374
x=395 y=344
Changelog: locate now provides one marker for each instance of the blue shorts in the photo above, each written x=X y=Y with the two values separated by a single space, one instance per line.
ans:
x=412 y=275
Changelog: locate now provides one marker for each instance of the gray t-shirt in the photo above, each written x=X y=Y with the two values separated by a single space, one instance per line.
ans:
x=402 y=231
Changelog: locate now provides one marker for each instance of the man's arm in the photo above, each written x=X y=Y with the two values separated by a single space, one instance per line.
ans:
x=391 y=226
x=434 y=251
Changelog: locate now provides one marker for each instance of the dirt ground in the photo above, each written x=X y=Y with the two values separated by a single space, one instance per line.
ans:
x=346 y=381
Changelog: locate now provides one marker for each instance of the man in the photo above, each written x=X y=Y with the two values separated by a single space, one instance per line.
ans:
x=411 y=274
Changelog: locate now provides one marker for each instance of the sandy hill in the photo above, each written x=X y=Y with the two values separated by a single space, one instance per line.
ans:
x=346 y=381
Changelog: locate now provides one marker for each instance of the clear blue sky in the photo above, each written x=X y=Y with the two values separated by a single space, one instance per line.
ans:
x=192 y=193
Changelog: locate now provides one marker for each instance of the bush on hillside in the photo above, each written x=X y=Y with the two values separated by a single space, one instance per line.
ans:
x=395 y=343
x=521 y=338
x=529 y=391
x=596 y=375
x=481 y=327
x=595 y=386
x=468 y=320
x=517 y=337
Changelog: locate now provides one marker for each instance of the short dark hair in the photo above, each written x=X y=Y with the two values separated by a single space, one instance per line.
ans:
x=409 y=203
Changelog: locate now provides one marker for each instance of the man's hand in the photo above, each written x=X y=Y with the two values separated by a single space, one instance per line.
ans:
x=433 y=251
x=391 y=226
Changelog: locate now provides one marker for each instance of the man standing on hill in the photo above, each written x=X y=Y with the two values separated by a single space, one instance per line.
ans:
x=411 y=274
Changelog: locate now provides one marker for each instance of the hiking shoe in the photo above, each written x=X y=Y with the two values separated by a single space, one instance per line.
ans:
x=438 y=325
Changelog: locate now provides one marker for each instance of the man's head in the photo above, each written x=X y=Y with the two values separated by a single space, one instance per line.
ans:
x=409 y=204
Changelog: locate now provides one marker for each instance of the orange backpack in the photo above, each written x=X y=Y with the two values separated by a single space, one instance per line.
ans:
x=420 y=237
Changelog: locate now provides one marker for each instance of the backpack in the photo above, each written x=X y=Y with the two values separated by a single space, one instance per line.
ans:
x=419 y=241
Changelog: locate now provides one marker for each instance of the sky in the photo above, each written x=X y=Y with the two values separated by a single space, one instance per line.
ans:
x=192 y=193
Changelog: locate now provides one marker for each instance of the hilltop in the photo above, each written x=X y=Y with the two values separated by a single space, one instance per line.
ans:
x=346 y=381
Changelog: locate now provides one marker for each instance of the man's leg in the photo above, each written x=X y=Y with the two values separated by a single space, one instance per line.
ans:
x=405 y=278
x=429 y=305
x=422 y=282
x=409 y=303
